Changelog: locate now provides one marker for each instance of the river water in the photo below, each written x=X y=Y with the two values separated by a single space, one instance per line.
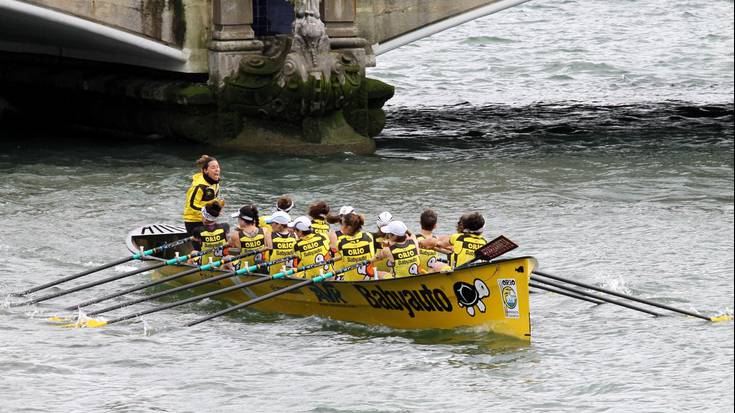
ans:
x=597 y=135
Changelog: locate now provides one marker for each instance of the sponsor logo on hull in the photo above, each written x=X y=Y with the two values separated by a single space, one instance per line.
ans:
x=410 y=301
x=509 y=297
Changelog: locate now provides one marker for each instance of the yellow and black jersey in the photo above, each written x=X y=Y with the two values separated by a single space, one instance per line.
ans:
x=251 y=242
x=353 y=249
x=283 y=246
x=406 y=260
x=202 y=190
x=383 y=264
x=212 y=237
x=339 y=234
x=312 y=249
x=264 y=222
x=320 y=226
x=428 y=256
x=464 y=246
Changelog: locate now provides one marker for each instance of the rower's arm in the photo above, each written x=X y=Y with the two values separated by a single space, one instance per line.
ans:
x=383 y=254
x=443 y=244
x=333 y=240
x=234 y=239
x=268 y=238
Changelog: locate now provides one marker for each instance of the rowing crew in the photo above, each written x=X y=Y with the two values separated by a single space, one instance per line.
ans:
x=393 y=251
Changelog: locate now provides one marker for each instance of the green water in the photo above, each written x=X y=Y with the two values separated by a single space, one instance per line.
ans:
x=598 y=136
x=643 y=217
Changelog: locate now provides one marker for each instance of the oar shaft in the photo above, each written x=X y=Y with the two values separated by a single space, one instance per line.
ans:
x=183 y=287
x=628 y=297
x=152 y=283
x=135 y=256
x=253 y=301
x=71 y=277
x=166 y=292
x=278 y=292
x=214 y=293
x=605 y=299
x=87 y=285
x=177 y=303
x=566 y=293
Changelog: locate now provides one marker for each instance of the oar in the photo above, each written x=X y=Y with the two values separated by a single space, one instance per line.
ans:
x=492 y=250
x=566 y=293
x=98 y=323
x=640 y=300
x=172 y=261
x=135 y=256
x=276 y=293
x=241 y=271
x=586 y=294
x=205 y=267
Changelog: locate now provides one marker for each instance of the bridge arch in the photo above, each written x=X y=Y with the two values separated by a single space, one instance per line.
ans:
x=390 y=24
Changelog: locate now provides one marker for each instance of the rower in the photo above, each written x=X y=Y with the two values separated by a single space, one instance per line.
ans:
x=344 y=210
x=379 y=239
x=430 y=259
x=282 y=240
x=248 y=235
x=284 y=203
x=318 y=213
x=354 y=246
x=311 y=247
x=320 y=219
x=210 y=234
x=466 y=241
x=403 y=251
x=336 y=234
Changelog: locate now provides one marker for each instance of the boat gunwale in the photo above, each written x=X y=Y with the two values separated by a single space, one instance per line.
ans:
x=218 y=271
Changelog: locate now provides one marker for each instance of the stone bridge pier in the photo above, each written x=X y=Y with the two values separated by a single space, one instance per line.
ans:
x=295 y=75
x=268 y=76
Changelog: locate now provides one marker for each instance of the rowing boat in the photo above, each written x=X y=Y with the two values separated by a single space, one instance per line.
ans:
x=491 y=296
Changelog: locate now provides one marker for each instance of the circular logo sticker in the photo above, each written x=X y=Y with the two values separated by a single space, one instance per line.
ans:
x=509 y=297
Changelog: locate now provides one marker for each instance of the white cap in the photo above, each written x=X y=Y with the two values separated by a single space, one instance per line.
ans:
x=280 y=217
x=302 y=223
x=346 y=210
x=395 y=228
x=383 y=219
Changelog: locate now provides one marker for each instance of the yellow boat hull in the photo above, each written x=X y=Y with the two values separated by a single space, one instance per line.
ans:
x=492 y=296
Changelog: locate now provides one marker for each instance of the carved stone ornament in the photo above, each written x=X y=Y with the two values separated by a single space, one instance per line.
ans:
x=310 y=33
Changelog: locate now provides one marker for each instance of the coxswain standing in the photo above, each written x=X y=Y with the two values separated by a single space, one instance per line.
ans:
x=282 y=240
x=354 y=245
x=311 y=247
x=210 y=234
x=204 y=188
x=403 y=251
x=248 y=236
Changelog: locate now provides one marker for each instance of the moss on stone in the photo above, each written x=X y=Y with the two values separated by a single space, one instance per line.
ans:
x=378 y=92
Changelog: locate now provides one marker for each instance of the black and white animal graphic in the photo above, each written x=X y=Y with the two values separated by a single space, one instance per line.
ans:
x=469 y=295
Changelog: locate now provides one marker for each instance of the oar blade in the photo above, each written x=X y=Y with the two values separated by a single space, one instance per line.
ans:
x=58 y=319
x=88 y=323
x=495 y=248
x=720 y=318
